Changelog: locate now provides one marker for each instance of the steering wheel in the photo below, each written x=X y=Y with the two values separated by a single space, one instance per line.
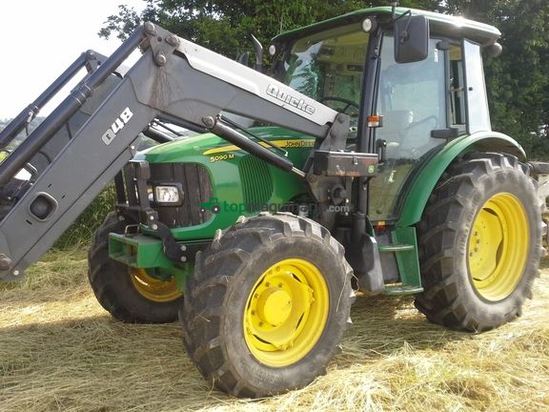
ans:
x=348 y=103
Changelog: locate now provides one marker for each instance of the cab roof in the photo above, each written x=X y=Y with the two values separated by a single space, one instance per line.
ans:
x=441 y=24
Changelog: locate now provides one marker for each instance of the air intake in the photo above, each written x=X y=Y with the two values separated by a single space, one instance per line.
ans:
x=257 y=184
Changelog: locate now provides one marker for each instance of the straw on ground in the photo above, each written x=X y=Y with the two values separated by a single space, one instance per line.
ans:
x=59 y=350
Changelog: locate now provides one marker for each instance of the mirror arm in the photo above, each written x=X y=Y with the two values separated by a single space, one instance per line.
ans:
x=406 y=13
x=404 y=35
x=258 y=54
x=394 y=5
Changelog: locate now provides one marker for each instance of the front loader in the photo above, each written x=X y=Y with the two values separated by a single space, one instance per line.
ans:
x=373 y=167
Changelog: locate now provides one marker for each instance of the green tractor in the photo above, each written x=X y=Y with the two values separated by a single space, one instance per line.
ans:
x=257 y=236
x=453 y=213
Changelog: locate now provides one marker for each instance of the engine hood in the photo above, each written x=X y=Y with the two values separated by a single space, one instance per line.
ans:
x=209 y=144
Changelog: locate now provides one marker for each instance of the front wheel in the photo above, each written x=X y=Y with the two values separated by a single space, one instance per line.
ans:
x=129 y=294
x=480 y=241
x=267 y=305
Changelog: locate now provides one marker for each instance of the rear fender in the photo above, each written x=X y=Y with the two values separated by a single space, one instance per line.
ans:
x=422 y=186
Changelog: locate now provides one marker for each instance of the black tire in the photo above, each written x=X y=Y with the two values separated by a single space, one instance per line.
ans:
x=113 y=287
x=216 y=298
x=450 y=297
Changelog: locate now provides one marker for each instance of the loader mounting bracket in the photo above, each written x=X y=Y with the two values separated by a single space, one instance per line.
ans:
x=162 y=43
x=172 y=249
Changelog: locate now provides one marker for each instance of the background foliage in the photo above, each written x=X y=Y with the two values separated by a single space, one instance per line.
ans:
x=518 y=81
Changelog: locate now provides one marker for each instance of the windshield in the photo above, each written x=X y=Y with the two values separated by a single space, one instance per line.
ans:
x=328 y=67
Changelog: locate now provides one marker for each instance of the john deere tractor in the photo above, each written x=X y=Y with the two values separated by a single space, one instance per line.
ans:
x=364 y=161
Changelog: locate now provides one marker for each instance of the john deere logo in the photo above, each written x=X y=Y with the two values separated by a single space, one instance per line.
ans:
x=274 y=91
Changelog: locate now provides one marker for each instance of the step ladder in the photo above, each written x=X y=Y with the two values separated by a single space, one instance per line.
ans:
x=405 y=250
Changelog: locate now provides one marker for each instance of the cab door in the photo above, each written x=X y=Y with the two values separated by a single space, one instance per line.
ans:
x=412 y=97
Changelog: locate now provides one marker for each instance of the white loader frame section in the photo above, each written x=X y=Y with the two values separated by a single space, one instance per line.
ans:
x=250 y=80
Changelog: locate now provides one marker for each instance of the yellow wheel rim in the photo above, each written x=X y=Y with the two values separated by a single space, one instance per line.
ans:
x=498 y=247
x=153 y=289
x=286 y=312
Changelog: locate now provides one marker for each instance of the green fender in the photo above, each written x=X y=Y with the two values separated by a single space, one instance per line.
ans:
x=425 y=181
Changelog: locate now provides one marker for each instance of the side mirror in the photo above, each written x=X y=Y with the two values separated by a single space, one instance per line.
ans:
x=411 y=39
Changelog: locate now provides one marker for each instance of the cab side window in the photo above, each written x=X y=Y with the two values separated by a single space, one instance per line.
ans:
x=412 y=98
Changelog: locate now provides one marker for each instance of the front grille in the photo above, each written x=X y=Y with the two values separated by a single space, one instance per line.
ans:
x=197 y=189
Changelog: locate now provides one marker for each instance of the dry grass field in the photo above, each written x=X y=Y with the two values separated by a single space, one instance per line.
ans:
x=59 y=350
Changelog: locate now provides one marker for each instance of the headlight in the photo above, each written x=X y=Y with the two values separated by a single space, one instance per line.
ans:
x=167 y=195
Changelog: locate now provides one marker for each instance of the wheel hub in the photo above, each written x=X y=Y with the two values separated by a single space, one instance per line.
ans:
x=484 y=244
x=274 y=306
x=286 y=312
x=498 y=247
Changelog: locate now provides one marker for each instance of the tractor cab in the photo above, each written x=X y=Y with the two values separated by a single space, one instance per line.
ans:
x=406 y=101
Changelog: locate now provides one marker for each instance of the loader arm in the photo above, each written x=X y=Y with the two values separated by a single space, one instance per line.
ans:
x=174 y=78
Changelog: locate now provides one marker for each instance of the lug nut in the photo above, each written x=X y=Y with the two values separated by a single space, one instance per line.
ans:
x=160 y=59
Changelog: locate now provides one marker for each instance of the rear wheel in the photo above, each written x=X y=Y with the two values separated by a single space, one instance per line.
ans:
x=267 y=305
x=129 y=294
x=480 y=243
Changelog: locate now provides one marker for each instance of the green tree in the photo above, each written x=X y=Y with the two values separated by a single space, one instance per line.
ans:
x=225 y=26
